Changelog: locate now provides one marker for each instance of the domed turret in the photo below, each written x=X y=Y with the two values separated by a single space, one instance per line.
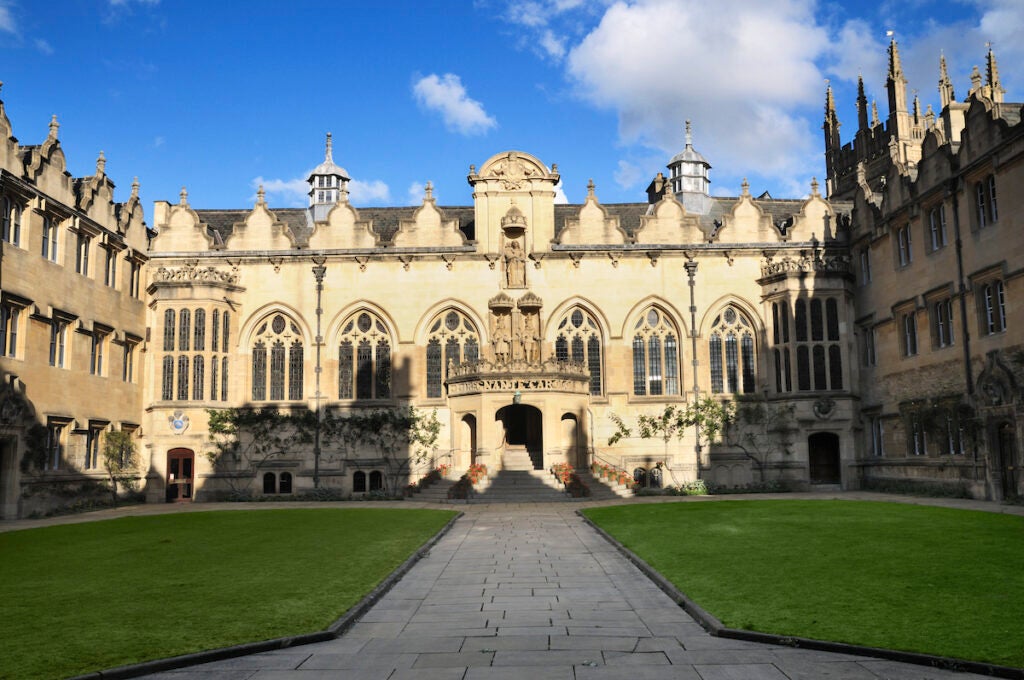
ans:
x=688 y=172
x=327 y=182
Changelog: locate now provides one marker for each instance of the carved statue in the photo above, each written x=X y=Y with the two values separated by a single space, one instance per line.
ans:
x=500 y=333
x=530 y=338
x=515 y=265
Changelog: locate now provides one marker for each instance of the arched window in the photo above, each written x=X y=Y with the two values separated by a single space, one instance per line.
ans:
x=224 y=379
x=364 y=358
x=452 y=332
x=184 y=328
x=731 y=353
x=286 y=366
x=224 y=332
x=655 y=355
x=169 y=330
x=183 y=378
x=214 y=385
x=199 y=338
x=579 y=339
x=285 y=485
x=358 y=482
x=269 y=483
x=376 y=481
x=215 y=328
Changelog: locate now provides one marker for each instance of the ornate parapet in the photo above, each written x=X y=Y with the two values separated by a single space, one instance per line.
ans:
x=477 y=377
x=832 y=264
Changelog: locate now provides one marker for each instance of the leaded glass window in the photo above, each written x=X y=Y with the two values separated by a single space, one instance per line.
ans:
x=167 y=393
x=184 y=328
x=286 y=365
x=295 y=372
x=226 y=326
x=183 y=378
x=655 y=355
x=214 y=385
x=169 y=330
x=259 y=372
x=277 y=371
x=578 y=337
x=451 y=339
x=733 y=360
x=215 y=330
x=364 y=358
x=199 y=337
x=224 y=379
x=198 y=378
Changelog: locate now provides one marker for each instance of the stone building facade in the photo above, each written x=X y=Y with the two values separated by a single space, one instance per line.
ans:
x=528 y=326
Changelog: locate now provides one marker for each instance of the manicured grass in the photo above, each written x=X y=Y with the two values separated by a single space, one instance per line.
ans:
x=923 y=579
x=84 y=597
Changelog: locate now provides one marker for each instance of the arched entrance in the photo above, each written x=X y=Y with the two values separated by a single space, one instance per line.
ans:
x=523 y=444
x=823 y=456
x=571 y=440
x=1006 y=446
x=180 y=475
x=467 y=441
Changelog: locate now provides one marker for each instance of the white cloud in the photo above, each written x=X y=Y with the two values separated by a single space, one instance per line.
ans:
x=43 y=46
x=743 y=73
x=158 y=141
x=628 y=175
x=447 y=96
x=293 y=193
x=553 y=45
x=416 y=191
x=373 y=192
x=858 y=49
x=560 y=197
x=7 y=22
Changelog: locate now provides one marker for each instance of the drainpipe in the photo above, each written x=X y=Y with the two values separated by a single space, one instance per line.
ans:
x=968 y=371
x=319 y=271
x=691 y=273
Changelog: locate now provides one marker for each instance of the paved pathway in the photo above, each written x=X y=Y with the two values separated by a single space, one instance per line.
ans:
x=530 y=591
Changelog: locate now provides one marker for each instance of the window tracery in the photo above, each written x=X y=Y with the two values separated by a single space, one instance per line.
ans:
x=655 y=355
x=452 y=333
x=364 y=358
x=732 y=357
x=579 y=339
x=285 y=368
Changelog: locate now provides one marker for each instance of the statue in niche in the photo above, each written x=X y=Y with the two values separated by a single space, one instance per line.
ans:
x=500 y=333
x=515 y=264
x=531 y=340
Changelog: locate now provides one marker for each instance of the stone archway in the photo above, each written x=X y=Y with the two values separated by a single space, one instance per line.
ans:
x=523 y=444
x=1006 y=451
x=467 y=441
x=823 y=458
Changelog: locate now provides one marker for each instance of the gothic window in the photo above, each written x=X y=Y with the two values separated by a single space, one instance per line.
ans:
x=9 y=316
x=184 y=328
x=451 y=338
x=376 y=481
x=199 y=337
x=909 y=334
x=937 y=226
x=993 y=300
x=904 y=246
x=110 y=268
x=358 y=482
x=818 y=363
x=215 y=328
x=224 y=332
x=198 y=378
x=578 y=331
x=58 y=342
x=12 y=222
x=782 y=353
x=224 y=379
x=285 y=484
x=49 y=238
x=364 y=358
x=214 y=385
x=269 y=483
x=183 y=378
x=285 y=369
x=82 y=254
x=985 y=201
x=731 y=353
x=169 y=330
x=167 y=393
x=655 y=355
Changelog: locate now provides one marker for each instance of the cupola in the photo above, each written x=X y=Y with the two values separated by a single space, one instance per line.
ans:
x=328 y=183
x=688 y=172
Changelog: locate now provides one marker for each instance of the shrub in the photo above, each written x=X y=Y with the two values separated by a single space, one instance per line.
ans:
x=563 y=472
x=461 y=489
x=576 y=487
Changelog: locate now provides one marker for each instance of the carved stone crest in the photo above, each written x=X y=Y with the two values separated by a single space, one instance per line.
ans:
x=178 y=422
x=512 y=172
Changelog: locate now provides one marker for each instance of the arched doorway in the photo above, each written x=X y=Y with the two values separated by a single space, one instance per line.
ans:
x=823 y=456
x=523 y=445
x=1006 y=445
x=180 y=475
x=467 y=441
x=571 y=440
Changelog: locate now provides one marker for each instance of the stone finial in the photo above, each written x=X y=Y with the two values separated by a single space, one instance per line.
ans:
x=975 y=79
x=472 y=169
x=261 y=196
x=689 y=135
x=135 y=187
x=895 y=67
x=101 y=164
x=54 y=126
x=590 y=188
x=329 y=152
x=874 y=114
x=183 y=195
x=814 y=186
x=746 y=187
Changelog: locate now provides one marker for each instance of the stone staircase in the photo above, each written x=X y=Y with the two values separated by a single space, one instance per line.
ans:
x=520 y=486
x=435 y=493
x=603 y=489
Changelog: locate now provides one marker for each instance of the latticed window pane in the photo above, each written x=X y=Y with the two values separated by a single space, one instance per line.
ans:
x=801 y=321
x=183 y=378
x=169 y=330
x=199 y=337
x=789 y=370
x=472 y=349
x=345 y=370
x=654 y=361
x=295 y=372
x=224 y=379
x=671 y=365
x=383 y=386
x=778 y=370
x=803 y=368
x=277 y=371
x=167 y=393
x=775 y=322
x=747 y=354
x=639 y=366
x=577 y=349
x=452 y=354
x=817 y=325
x=259 y=372
x=184 y=329
x=594 y=364
x=819 y=368
x=226 y=323
x=835 y=366
x=214 y=385
x=715 y=351
x=832 y=314
x=434 y=368
x=215 y=328
x=732 y=362
x=198 y=378
x=561 y=349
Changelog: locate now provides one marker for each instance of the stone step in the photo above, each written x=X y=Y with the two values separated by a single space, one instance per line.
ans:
x=520 y=486
x=435 y=493
x=603 y=489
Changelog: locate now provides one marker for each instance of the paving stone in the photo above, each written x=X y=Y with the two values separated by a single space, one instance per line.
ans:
x=891 y=670
x=535 y=673
x=764 y=671
x=353 y=674
x=636 y=673
x=572 y=657
x=621 y=644
x=635 y=659
x=797 y=669
x=359 y=660
x=414 y=644
x=428 y=674
x=454 y=659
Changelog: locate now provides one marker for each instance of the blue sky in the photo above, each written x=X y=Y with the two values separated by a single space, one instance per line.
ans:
x=221 y=97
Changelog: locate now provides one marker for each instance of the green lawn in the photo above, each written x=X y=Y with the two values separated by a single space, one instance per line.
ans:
x=923 y=579
x=83 y=597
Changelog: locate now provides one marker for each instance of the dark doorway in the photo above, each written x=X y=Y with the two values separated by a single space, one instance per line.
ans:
x=823 y=455
x=524 y=430
x=180 y=473
x=1007 y=448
